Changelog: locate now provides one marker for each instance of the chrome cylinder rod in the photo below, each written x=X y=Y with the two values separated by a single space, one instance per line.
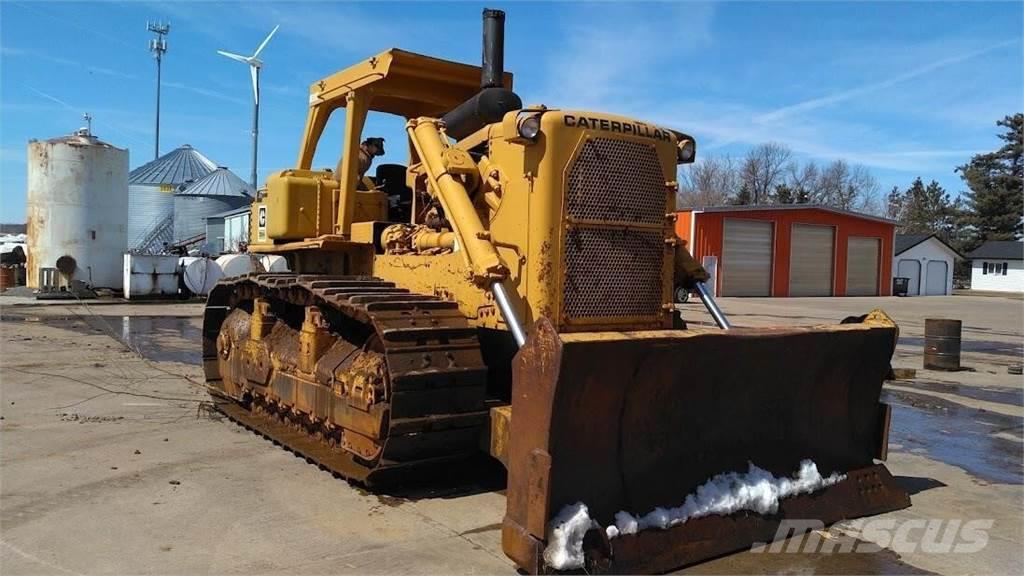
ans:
x=712 y=306
x=501 y=297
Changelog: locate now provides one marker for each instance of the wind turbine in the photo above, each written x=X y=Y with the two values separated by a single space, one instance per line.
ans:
x=255 y=64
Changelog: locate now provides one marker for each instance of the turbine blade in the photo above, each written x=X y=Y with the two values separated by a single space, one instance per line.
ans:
x=265 y=40
x=254 y=72
x=233 y=56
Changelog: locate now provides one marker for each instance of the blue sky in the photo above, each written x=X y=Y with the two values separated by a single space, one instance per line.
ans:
x=909 y=89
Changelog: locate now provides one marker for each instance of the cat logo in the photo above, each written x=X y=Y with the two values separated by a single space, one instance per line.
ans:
x=261 y=224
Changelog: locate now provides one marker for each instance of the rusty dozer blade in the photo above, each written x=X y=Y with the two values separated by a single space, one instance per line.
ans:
x=633 y=421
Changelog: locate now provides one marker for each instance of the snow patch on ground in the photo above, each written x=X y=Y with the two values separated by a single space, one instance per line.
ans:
x=756 y=490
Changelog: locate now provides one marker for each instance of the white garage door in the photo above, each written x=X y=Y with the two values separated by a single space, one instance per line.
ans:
x=910 y=269
x=935 y=279
x=746 y=267
x=862 y=266
x=811 y=260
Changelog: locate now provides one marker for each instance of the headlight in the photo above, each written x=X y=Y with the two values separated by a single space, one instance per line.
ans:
x=529 y=126
x=686 y=151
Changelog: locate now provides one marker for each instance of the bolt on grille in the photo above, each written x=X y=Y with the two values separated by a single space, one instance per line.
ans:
x=612 y=272
x=617 y=181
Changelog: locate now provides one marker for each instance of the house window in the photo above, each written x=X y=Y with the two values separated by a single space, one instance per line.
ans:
x=1005 y=264
x=984 y=267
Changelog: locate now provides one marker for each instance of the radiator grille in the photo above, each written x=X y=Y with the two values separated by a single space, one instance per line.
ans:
x=612 y=272
x=617 y=181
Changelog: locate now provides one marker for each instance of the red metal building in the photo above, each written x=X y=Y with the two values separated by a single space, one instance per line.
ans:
x=791 y=250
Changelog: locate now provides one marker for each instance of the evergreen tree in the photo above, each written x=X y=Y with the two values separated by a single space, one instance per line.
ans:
x=744 y=196
x=894 y=204
x=995 y=201
x=924 y=209
x=783 y=194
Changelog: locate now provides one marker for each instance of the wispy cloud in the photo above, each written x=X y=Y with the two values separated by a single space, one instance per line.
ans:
x=39 y=56
x=97 y=121
x=51 y=98
x=203 y=92
x=857 y=92
x=622 y=47
x=37 y=8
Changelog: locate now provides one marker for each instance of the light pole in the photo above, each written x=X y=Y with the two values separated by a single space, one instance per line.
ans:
x=158 y=46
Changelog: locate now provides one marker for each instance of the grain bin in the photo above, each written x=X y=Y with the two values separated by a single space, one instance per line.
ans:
x=151 y=196
x=77 y=208
x=217 y=192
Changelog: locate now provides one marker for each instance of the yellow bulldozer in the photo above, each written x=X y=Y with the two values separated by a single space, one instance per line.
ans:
x=510 y=290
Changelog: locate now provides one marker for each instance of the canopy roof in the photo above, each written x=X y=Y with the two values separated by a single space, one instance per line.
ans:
x=403 y=83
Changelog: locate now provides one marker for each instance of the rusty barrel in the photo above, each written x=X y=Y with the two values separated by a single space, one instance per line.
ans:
x=941 y=344
x=8 y=277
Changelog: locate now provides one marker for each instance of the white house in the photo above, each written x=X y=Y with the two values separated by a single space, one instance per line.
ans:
x=927 y=262
x=998 y=265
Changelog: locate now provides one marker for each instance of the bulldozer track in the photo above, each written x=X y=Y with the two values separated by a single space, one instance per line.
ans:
x=426 y=410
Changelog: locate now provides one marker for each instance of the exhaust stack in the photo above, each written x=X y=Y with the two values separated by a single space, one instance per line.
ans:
x=493 y=100
x=493 y=60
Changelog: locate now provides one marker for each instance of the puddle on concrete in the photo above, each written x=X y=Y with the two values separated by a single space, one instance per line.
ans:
x=157 y=338
x=1008 y=396
x=977 y=441
x=161 y=338
x=982 y=346
x=874 y=561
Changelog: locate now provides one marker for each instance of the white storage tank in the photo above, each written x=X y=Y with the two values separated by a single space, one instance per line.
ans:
x=77 y=209
x=217 y=192
x=150 y=275
x=236 y=264
x=151 y=196
x=199 y=274
x=273 y=263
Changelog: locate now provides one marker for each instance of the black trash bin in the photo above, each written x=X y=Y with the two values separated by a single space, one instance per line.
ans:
x=900 y=286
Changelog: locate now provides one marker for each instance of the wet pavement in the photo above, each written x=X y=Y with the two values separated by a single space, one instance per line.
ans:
x=985 y=444
x=156 y=338
x=996 y=347
x=1008 y=396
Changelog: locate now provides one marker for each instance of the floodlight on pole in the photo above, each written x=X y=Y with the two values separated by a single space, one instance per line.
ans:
x=158 y=46
x=254 y=64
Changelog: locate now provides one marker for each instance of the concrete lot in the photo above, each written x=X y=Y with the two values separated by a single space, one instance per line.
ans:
x=112 y=463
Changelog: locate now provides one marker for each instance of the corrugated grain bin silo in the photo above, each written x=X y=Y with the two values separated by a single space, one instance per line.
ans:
x=218 y=191
x=151 y=195
x=77 y=208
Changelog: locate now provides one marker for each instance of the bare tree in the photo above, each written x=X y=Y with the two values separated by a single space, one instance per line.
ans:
x=763 y=169
x=802 y=179
x=848 y=188
x=711 y=181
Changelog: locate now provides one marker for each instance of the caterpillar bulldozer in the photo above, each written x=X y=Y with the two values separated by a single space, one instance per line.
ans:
x=510 y=290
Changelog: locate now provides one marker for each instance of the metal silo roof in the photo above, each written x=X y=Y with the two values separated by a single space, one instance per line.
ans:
x=220 y=182
x=179 y=166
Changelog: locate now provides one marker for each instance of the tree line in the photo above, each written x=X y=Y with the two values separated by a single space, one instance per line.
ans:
x=768 y=174
x=992 y=207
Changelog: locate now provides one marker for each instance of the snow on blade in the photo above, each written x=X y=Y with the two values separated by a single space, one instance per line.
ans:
x=756 y=490
x=565 y=537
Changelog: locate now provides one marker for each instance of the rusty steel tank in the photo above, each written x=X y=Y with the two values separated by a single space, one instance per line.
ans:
x=77 y=209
